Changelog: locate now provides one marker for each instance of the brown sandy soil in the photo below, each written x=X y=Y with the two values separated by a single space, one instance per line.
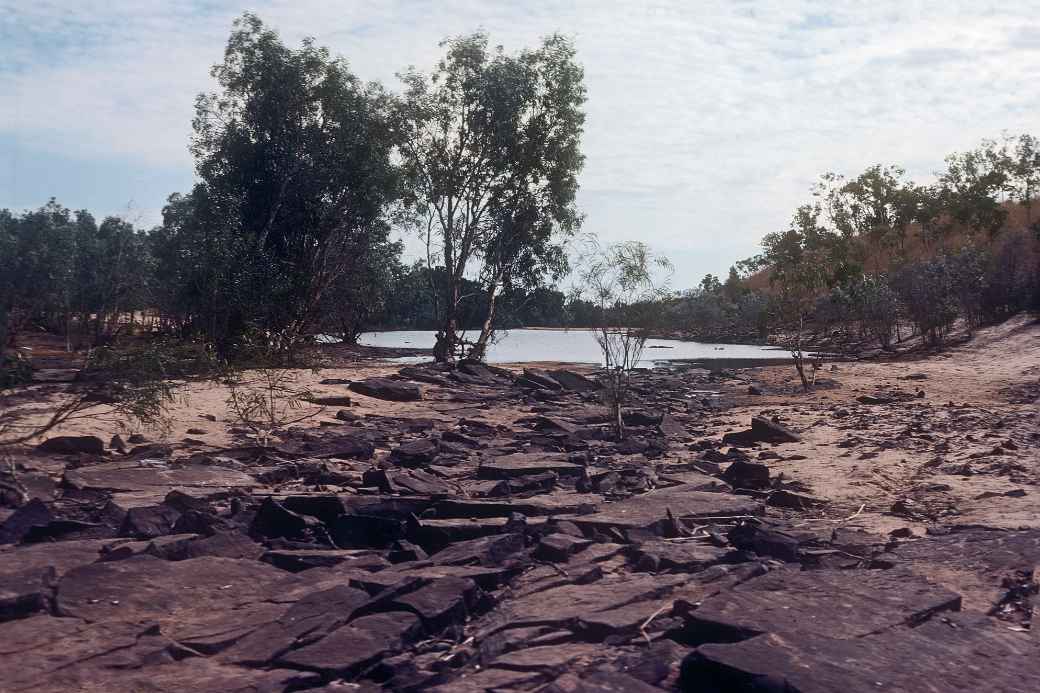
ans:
x=963 y=438
x=973 y=433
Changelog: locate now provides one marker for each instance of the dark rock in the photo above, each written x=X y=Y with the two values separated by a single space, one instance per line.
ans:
x=689 y=557
x=793 y=603
x=326 y=507
x=71 y=445
x=444 y=602
x=766 y=541
x=574 y=382
x=549 y=424
x=415 y=482
x=599 y=682
x=345 y=415
x=347 y=650
x=223 y=544
x=366 y=531
x=393 y=390
x=525 y=463
x=200 y=602
x=117 y=443
x=200 y=522
x=637 y=417
x=147 y=522
x=331 y=400
x=782 y=498
x=650 y=511
x=747 y=475
x=309 y=619
x=35 y=513
x=957 y=652
x=534 y=378
x=404 y=551
x=485 y=551
x=417 y=453
x=275 y=520
x=762 y=431
x=558 y=548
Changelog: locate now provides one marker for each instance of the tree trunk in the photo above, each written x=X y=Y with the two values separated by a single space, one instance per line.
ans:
x=451 y=323
x=479 y=350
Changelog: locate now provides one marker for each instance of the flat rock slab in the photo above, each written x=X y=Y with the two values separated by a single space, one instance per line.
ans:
x=650 y=510
x=957 y=652
x=147 y=482
x=523 y=463
x=44 y=653
x=312 y=617
x=392 y=390
x=762 y=431
x=193 y=601
x=839 y=604
x=544 y=504
x=346 y=650
x=563 y=606
x=975 y=562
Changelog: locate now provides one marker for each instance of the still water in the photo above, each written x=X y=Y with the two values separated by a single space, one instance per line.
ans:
x=572 y=346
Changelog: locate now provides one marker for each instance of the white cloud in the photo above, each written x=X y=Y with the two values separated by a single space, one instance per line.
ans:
x=707 y=121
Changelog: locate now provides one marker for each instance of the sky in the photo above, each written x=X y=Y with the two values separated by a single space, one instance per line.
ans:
x=707 y=122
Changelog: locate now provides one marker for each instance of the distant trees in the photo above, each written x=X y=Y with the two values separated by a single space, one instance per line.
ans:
x=846 y=258
x=62 y=271
x=722 y=311
x=491 y=152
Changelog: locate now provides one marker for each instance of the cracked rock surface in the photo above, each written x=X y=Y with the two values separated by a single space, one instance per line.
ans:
x=438 y=547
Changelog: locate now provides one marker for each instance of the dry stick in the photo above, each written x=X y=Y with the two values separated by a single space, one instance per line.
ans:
x=642 y=628
x=854 y=515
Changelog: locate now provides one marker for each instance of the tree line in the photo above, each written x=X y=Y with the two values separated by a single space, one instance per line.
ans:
x=877 y=258
x=302 y=172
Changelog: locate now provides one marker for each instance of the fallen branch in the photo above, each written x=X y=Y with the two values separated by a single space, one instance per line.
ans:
x=647 y=622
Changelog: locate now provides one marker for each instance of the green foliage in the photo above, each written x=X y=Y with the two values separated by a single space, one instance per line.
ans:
x=491 y=151
x=926 y=291
x=294 y=157
x=140 y=381
x=62 y=271
x=266 y=400
x=15 y=369
x=868 y=305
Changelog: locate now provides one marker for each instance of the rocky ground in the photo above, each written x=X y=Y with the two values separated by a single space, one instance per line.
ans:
x=479 y=529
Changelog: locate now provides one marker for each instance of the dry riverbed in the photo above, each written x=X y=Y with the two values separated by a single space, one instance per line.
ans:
x=478 y=529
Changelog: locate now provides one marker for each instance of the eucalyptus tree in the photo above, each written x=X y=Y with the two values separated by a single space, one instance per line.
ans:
x=973 y=180
x=1023 y=160
x=294 y=157
x=804 y=260
x=876 y=207
x=491 y=150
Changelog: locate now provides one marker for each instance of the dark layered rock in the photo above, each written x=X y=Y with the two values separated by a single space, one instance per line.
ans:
x=393 y=390
x=762 y=431
x=73 y=445
x=417 y=453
